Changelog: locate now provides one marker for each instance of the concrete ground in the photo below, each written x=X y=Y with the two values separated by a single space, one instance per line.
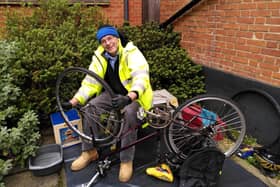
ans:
x=27 y=179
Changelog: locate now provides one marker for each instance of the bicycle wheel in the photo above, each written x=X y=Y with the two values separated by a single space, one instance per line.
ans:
x=107 y=123
x=206 y=120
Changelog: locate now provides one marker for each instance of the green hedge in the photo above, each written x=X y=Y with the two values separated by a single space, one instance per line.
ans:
x=56 y=36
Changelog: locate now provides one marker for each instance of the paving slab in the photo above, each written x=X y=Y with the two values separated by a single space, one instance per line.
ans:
x=27 y=179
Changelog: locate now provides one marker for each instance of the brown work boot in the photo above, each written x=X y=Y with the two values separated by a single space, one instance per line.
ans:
x=84 y=159
x=126 y=170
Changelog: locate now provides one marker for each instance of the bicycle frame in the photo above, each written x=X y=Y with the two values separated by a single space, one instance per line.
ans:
x=156 y=133
x=136 y=142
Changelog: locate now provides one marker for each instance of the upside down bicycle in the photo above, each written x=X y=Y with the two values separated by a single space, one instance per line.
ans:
x=209 y=118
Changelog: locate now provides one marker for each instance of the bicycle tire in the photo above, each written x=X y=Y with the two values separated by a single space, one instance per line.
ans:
x=107 y=137
x=188 y=130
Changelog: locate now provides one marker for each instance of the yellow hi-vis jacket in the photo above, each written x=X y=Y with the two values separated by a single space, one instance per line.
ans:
x=133 y=73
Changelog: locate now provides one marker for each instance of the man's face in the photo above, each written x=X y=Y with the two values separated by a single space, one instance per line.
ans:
x=110 y=44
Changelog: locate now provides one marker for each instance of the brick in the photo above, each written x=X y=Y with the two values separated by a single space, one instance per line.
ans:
x=254 y=49
x=244 y=27
x=274 y=21
x=271 y=52
x=230 y=45
x=276 y=76
x=256 y=56
x=274 y=5
x=231 y=26
x=233 y=2
x=260 y=13
x=232 y=13
x=269 y=60
x=244 y=13
x=228 y=7
x=258 y=43
x=275 y=82
x=272 y=36
x=240 y=60
x=241 y=47
x=268 y=66
x=259 y=20
x=265 y=73
x=261 y=6
x=247 y=6
x=253 y=63
x=244 y=34
x=271 y=44
x=220 y=56
x=230 y=52
x=245 y=20
x=240 y=41
x=243 y=54
x=275 y=13
x=259 y=35
x=258 y=28
x=278 y=63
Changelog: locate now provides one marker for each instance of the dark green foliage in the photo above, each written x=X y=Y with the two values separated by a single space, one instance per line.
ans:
x=56 y=36
x=19 y=133
x=170 y=67
x=149 y=36
x=172 y=70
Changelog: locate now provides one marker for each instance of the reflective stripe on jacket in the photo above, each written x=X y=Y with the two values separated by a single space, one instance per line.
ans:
x=133 y=72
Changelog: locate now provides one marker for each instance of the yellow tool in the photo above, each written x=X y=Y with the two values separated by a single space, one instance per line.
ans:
x=162 y=172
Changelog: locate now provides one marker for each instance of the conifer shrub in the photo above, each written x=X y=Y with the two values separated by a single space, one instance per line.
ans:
x=53 y=38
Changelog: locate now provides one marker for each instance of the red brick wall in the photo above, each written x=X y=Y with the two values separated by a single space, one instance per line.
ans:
x=114 y=12
x=135 y=12
x=169 y=7
x=237 y=36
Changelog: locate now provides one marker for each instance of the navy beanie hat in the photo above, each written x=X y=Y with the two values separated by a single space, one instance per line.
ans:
x=107 y=30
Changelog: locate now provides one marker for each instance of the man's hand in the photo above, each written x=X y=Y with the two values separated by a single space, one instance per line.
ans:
x=120 y=101
x=66 y=105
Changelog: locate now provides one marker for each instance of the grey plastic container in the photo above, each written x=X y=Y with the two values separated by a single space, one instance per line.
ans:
x=48 y=160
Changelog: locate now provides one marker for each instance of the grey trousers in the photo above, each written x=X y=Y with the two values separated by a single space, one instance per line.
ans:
x=130 y=121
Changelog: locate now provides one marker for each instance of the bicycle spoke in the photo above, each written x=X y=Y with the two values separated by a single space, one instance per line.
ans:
x=107 y=124
x=216 y=117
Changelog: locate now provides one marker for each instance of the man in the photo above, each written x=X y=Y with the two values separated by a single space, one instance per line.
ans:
x=126 y=70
